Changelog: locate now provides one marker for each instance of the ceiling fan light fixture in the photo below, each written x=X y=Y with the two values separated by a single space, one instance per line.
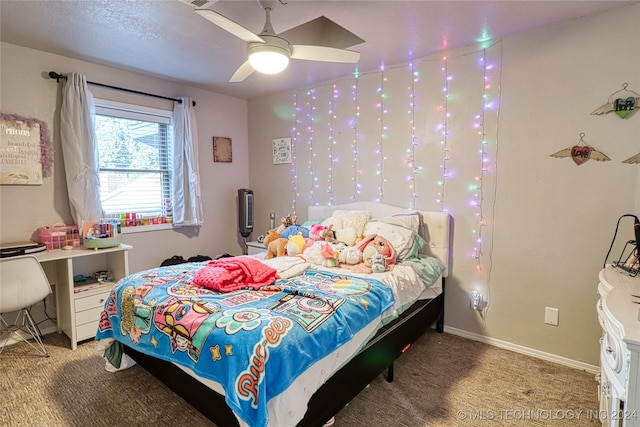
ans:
x=269 y=61
x=271 y=57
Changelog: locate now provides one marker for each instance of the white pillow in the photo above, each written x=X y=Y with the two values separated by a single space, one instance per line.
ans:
x=401 y=238
x=348 y=225
x=354 y=219
x=412 y=221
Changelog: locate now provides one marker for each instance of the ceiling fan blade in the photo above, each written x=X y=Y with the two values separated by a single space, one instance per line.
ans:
x=244 y=71
x=229 y=25
x=323 y=53
x=321 y=32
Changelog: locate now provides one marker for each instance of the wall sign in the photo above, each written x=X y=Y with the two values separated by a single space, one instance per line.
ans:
x=281 y=151
x=20 y=152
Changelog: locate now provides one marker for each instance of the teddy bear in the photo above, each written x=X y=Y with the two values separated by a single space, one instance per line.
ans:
x=276 y=245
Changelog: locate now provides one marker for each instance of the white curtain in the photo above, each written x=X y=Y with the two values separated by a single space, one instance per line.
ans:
x=79 y=149
x=187 y=205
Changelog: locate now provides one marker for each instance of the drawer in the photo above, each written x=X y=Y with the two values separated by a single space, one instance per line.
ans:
x=91 y=301
x=86 y=331
x=600 y=312
x=86 y=316
x=611 y=351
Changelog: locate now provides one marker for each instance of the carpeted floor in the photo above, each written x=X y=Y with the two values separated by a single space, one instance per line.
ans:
x=443 y=380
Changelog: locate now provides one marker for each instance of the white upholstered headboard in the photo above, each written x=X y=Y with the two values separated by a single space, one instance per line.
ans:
x=437 y=224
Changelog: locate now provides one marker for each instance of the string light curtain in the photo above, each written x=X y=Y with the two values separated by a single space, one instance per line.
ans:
x=422 y=135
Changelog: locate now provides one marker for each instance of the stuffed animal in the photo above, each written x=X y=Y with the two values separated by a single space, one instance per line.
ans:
x=340 y=231
x=287 y=221
x=378 y=264
x=350 y=255
x=295 y=244
x=276 y=245
x=329 y=235
x=292 y=230
x=316 y=230
x=313 y=253
x=329 y=254
x=370 y=246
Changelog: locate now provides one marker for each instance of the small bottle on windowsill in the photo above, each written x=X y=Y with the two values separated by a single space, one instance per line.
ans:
x=168 y=212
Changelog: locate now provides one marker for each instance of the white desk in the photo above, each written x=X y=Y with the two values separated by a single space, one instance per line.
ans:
x=78 y=313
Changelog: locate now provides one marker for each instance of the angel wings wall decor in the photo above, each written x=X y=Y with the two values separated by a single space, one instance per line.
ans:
x=633 y=159
x=581 y=152
x=622 y=106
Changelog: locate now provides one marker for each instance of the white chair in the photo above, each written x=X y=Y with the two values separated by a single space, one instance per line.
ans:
x=22 y=284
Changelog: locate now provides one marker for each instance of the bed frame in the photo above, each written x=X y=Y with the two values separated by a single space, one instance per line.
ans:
x=377 y=356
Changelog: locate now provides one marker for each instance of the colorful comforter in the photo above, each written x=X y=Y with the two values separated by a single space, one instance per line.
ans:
x=255 y=342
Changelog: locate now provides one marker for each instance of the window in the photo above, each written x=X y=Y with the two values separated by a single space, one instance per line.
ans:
x=134 y=146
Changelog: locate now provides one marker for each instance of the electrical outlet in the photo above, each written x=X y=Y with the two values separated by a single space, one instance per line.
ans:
x=476 y=300
x=551 y=316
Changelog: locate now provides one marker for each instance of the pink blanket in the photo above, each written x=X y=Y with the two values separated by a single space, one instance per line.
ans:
x=233 y=273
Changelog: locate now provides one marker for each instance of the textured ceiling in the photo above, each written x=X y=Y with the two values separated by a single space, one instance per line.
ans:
x=166 y=38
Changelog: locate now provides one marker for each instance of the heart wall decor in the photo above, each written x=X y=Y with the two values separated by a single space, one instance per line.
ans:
x=624 y=106
x=581 y=152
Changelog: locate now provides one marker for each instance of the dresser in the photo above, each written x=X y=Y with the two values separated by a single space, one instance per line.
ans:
x=619 y=315
x=78 y=307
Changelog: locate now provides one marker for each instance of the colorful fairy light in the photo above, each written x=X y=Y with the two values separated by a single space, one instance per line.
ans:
x=412 y=147
x=312 y=154
x=379 y=151
x=444 y=129
x=354 y=144
x=364 y=119
x=331 y=142
x=294 y=163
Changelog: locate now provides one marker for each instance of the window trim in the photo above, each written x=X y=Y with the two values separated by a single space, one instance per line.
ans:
x=145 y=228
x=125 y=108
x=163 y=116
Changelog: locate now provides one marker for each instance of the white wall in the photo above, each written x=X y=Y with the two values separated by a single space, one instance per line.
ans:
x=27 y=91
x=549 y=222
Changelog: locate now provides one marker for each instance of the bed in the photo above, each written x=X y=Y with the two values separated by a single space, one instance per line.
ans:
x=368 y=320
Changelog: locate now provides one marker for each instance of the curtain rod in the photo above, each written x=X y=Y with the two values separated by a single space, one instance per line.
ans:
x=58 y=76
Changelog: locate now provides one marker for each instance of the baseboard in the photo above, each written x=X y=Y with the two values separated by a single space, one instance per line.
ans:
x=524 y=350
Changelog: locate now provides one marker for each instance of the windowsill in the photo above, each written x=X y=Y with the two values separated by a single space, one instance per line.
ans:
x=145 y=228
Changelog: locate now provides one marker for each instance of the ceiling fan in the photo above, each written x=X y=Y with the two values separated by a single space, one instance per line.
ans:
x=269 y=53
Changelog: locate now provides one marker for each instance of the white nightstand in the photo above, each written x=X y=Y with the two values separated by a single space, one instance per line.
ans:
x=255 y=247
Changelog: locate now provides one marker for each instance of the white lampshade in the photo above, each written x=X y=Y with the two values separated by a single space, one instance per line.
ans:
x=268 y=59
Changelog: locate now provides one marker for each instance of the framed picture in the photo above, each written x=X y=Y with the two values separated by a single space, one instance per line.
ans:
x=281 y=151
x=222 y=150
